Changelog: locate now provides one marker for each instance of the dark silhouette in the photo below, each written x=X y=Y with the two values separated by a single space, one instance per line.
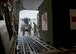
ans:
x=34 y=28
x=29 y=29
x=23 y=29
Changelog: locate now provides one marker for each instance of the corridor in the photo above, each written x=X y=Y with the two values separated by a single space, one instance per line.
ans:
x=37 y=27
x=30 y=44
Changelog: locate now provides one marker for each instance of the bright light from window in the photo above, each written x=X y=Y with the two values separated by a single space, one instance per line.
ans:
x=28 y=13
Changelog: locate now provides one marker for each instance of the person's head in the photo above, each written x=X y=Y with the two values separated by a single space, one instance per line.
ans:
x=33 y=22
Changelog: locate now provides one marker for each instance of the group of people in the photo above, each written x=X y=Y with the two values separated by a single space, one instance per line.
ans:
x=29 y=29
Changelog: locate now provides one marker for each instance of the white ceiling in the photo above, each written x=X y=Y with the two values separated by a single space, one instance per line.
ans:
x=31 y=4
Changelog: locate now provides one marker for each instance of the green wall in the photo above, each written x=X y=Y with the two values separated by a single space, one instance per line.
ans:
x=47 y=36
